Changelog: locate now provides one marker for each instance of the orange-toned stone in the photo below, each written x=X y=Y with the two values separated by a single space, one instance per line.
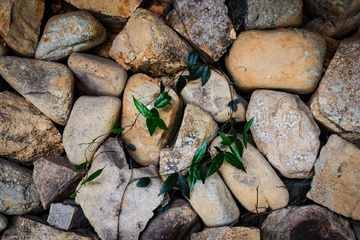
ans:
x=230 y=233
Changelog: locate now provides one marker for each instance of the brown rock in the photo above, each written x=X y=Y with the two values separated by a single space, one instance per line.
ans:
x=103 y=49
x=239 y=233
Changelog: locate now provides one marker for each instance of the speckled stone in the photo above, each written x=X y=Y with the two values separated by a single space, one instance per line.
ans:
x=239 y=233
x=3 y=222
x=65 y=216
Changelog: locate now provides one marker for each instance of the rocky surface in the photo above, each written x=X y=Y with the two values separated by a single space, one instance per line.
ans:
x=3 y=222
x=65 y=216
x=240 y=233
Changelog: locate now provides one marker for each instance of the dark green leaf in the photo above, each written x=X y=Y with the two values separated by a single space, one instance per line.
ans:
x=245 y=139
x=192 y=77
x=192 y=58
x=239 y=147
x=116 y=125
x=233 y=121
x=230 y=158
x=162 y=87
x=169 y=183
x=118 y=130
x=193 y=176
x=199 y=154
x=81 y=166
x=216 y=163
x=194 y=68
x=237 y=101
x=218 y=149
x=142 y=109
x=234 y=133
x=131 y=147
x=225 y=139
x=203 y=173
x=154 y=112
x=183 y=185
x=181 y=83
x=95 y=175
x=143 y=182
x=233 y=83
x=234 y=106
x=151 y=126
x=168 y=9
x=167 y=207
x=162 y=100
x=232 y=138
x=205 y=75
x=160 y=123
x=73 y=195
x=235 y=152
x=248 y=125
x=224 y=127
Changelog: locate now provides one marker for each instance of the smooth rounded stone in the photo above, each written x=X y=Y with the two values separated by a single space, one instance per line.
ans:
x=18 y=193
x=91 y=118
x=214 y=97
x=99 y=76
x=336 y=182
x=3 y=222
x=67 y=33
x=240 y=233
x=307 y=222
x=145 y=89
x=285 y=131
x=20 y=25
x=283 y=59
x=25 y=133
x=158 y=50
x=335 y=104
x=259 y=188
x=47 y=85
x=213 y=202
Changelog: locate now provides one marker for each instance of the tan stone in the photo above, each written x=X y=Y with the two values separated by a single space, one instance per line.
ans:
x=283 y=59
x=239 y=233
x=145 y=89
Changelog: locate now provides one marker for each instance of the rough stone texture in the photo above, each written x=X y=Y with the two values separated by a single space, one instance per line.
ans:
x=158 y=50
x=336 y=181
x=213 y=202
x=283 y=59
x=307 y=222
x=176 y=223
x=355 y=225
x=145 y=89
x=103 y=49
x=67 y=33
x=112 y=150
x=285 y=131
x=66 y=216
x=99 y=76
x=265 y=14
x=214 y=97
x=240 y=233
x=3 y=50
x=20 y=24
x=207 y=26
x=3 y=222
x=55 y=179
x=47 y=85
x=196 y=128
x=25 y=133
x=260 y=187
x=18 y=193
x=90 y=118
x=335 y=104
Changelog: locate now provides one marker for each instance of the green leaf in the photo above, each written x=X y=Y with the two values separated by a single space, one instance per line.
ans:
x=183 y=185
x=142 y=109
x=160 y=123
x=116 y=125
x=131 y=147
x=192 y=77
x=73 y=195
x=168 y=9
x=200 y=152
x=205 y=75
x=192 y=58
x=181 y=83
x=194 y=69
x=81 y=166
x=245 y=139
x=218 y=149
x=154 y=112
x=203 y=173
x=162 y=87
x=234 y=133
x=95 y=175
x=151 y=126
x=162 y=100
x=248 y=125
x=239 y=147
x=224 y=127
x=193 y=176
x=225 y=139
x=230 y=158
x=237 y=101
x=169 y=183
x=235 y=152
x=118 y=130
x=234 y=107
x=233 y=83
x=216 y=163
x=143 y=182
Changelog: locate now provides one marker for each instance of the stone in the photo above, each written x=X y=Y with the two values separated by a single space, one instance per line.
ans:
x=298 y=188
x=259 y=188
x=175 y=223
x=99 y=76
x=3 y=222
x=3 y=50
x=18 y=193
x=282 y=59
x=196 y=128
x=67 y=33
x=55 y=179
x=205 y=24
x=214 y=97
x=112 y=150
x=47 y=85
x=307 y=222
x=335 y=104
x=103 y=49
x=25 y=133
x=355 y=225
x=240 y=233
x=145 y=89
x=91 y=118
x=285 y=131
x=66 y=216
x=213 y=202
x=336 y=181
x=158 y=50
x=20 y=25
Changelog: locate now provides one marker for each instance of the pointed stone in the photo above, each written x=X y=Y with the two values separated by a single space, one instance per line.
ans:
x=65 y=216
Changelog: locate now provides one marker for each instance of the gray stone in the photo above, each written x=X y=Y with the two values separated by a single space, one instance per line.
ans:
x=47 y=85
x=3 y=222
x=66 y=216
x=112 y=150
x=355 y=225
x=3 y=50
x=239 y=233
x=67 y=33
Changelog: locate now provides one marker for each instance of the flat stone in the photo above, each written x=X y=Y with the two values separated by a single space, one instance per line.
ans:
x=285 y=131
x=158 y=50
x=99 y=76
x=20 y=25
x=65 y=216
x=47 y=85
x=3 y=222
x=336 y=181
x=145 y=89
x=67 y=33
x=91 y=118
x=283 y=59
x=25 y=133
x=240 y=233
x=307 y=222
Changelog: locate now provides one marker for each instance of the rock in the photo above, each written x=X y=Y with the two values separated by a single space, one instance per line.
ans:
x=3 y=50
x=112 y=150
x=240 y=233
x=298 y=188
x=207 y=26
x=307 y=222
x=260 y=187
x=284 y=131
x=355 y=225
x=66 y=216
x=335 y=104
x=67 y=33
x=55 y=179
x=3 y=222
x=213 y=202
x=214 y=97
x=91 y=118
x=103 y=49
x=47 y=85
x=175 y=223
x=283 y=59
x=25 y=133
x=336 y=181
x=145 y=89
x=18 y=193
x=99 y=76
x=196 y=128
x=20 y=25
x=158 y=50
